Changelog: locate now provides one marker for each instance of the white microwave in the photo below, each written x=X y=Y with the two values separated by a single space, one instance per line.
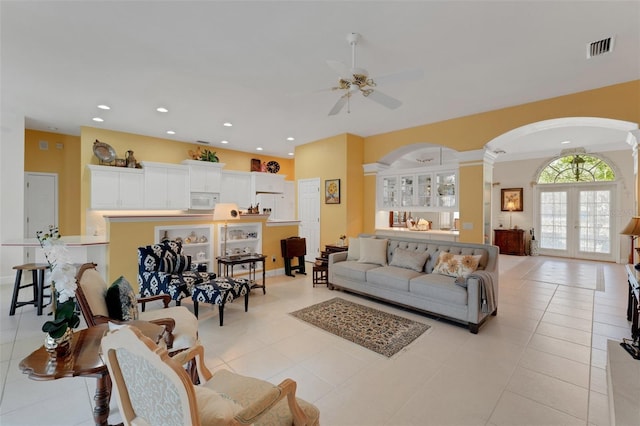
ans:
x=204 y=200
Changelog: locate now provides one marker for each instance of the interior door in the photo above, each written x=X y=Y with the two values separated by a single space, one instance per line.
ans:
x=41 y=202
x=309 y=215
x=575 y=221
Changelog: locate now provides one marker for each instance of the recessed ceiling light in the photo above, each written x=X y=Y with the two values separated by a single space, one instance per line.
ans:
x=224 y=141
x=291 y=139
x=291 y=153
x=227 y=124
x=259 y=148
x=565 y=142
x=103 y=106
x=162 y=109
x=171 y=132
x=98 y=119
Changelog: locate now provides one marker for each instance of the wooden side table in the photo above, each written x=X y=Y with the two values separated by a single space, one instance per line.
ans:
x=85 y=360
x=251 y=260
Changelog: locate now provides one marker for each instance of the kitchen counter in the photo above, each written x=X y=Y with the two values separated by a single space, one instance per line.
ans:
x=427 y=235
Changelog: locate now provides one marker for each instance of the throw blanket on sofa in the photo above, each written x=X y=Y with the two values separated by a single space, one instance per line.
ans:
x=486 y=289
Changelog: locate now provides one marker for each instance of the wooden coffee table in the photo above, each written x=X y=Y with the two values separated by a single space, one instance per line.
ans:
x=85 y=360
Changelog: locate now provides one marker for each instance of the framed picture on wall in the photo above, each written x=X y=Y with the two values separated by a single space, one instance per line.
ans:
x=511 y=200
x=332 y=191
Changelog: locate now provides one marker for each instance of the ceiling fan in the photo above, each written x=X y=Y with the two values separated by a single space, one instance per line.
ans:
x=356 y=80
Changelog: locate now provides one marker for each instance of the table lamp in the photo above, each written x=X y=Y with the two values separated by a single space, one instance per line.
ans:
x=226 y=212
x=511 y=206
x=633 y=229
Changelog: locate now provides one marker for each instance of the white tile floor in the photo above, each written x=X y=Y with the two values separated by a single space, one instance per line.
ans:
x=541 y=361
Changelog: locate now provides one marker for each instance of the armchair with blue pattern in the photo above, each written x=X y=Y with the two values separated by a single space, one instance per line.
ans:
x=164 y=269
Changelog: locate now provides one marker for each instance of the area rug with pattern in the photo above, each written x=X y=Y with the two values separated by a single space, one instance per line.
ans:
x=375 y=330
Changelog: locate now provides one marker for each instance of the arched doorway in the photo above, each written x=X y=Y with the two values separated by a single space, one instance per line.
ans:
x=575 y=196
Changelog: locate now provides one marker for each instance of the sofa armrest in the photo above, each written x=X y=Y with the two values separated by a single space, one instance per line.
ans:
x=474 y=298
x=336 y=257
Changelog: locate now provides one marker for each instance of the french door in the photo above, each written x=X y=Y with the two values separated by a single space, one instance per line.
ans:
x=575 y=220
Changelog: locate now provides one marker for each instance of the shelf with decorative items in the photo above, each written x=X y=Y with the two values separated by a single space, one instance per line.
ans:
x=197 y=242
x=243 y=239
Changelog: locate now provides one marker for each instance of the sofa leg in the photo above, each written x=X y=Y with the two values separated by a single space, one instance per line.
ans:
x=494 y=313
x=195 y=308
x=473 y=328
x=221 y=312
x=178 y=302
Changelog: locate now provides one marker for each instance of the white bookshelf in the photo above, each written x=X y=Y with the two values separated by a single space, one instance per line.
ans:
x=192 y=237
x=244 y=238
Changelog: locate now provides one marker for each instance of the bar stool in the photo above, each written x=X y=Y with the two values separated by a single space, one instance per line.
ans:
x=37 y=282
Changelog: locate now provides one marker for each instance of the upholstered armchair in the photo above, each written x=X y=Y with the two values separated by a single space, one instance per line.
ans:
x=154 y=389
x=164 y=269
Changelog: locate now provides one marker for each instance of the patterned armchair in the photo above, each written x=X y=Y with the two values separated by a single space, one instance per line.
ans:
x=164 y=269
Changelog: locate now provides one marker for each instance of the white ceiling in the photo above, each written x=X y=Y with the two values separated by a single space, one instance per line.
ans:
x=260 y=65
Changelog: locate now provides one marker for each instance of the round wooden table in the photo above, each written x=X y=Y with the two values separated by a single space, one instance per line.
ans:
x=84 y=360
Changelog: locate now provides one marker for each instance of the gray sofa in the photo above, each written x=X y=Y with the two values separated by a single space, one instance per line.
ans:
x=401 y=271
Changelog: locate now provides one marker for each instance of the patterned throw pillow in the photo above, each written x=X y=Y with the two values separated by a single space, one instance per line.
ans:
x=122 y=303
x=171 y=264
x=409 y=259
x=456 y=265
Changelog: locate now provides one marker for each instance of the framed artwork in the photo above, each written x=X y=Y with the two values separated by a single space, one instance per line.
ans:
x=511 y=199
x=256 y=165
x=332 y=191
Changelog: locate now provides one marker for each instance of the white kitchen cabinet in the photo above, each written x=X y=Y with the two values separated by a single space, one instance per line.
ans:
x=236 y=188
x=166 y=186
x=204 y=176
x=197 y=241
x=267 y=182
x=116 y=188
x=282 y=206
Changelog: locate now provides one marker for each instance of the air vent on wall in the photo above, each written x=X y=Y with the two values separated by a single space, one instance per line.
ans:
x=204 y=142
x=599 y=47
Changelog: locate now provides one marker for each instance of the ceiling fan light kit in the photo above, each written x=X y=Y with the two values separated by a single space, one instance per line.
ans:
x=356 y=80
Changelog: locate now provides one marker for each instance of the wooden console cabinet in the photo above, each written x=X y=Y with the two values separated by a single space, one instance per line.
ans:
x=510 y=241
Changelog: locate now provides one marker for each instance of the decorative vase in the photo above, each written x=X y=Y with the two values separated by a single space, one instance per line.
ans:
x=131 y=160
x=59 y=347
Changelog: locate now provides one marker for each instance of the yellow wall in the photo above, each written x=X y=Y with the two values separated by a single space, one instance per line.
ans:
x=61 y=161
x=470 y=196
x=337 y=157
x=126 y=237
x=621 y=102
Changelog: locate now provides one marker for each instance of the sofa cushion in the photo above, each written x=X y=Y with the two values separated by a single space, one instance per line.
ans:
x=352 y=270
x=353 y=252
x=455 y=265
x=215 y=408
x=373 y=250
x=121 y=301
x=438 y=287
x=409 y=259
x=391 y=277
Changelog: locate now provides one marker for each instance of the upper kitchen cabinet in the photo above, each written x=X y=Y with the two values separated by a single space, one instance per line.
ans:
x=236 y=188
x=204 y=176
x=116 y=188
x=166 y=186
x=267 y=182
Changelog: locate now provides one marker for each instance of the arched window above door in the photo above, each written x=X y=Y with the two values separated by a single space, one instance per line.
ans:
x=576 y=168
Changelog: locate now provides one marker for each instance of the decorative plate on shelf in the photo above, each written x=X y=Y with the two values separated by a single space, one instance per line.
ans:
x=273 y=167
x=104 y=152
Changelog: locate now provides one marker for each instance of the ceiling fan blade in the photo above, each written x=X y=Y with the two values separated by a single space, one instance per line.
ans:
x=407 y=75
x=384 y=100
x=339 y=105
x=339 y=67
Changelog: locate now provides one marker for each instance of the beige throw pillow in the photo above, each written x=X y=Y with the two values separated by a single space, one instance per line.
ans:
x=456 y=265
x=373 y=250
x=409 y=259
x=353 y=252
